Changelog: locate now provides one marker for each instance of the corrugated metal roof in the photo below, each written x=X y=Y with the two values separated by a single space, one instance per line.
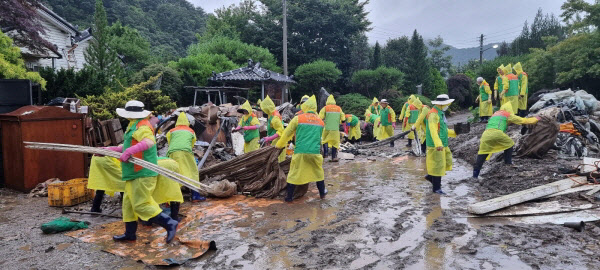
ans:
x=252 y=72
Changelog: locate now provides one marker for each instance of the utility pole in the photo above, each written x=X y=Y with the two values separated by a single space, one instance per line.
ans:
x=285 y=62
x=480 y=49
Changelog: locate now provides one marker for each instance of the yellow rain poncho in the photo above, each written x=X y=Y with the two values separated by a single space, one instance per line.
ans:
x=485 y=100
x=105 y=174
x=374 y=120
x=385 y=123
x=410 y=100
x=419 y=106
x=375 y=107
x=512 y=93
x=523 y=86
x=420 y=124
x=251 y=137
x=494 y=138
x=274 y=123
x=353 y=124
x=181 y=141
x=307 y=161
x=408 y=117
x=333 y=117
x=437 y=133
x=501 y=83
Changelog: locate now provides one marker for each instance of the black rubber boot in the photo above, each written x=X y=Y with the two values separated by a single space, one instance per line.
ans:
x=479 y=164
x=130 y=230
x=322 y=190
x=409 y=144
x=97 y=201
x=334 y=153
x=508 y=156
x=168 y=223
x=429 y=178
x=437 y=185
x=290 y=192
x=392 y=144
x=325 y=150
x=175 y=210
x=423 y=148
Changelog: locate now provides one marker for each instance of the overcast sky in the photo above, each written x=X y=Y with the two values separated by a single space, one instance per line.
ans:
x=459 y=22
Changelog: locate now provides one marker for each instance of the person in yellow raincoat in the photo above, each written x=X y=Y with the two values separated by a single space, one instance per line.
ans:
x=387 y=122
x=485 y=100
x=299 y=106
x=523 y=89
x=512 y=93
x=105 y=177
x=140 y=182
x=307 y=161
x=353 y=128
x=250 y=124
x=333 y=116
x=181 y=141
x=494 y=138
x=439 y=156
x=274 y=124
x=373 y=119
x=410 y=117
x=500 y=85
x=419 y=125
x=402 y=116
x=375 y=107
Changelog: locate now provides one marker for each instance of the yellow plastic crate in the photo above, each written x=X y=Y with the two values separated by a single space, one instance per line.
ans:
x=69 y=193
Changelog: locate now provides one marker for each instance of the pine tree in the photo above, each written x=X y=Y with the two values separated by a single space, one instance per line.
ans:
x=376 y=56
x=418 y=68
x=100 y=57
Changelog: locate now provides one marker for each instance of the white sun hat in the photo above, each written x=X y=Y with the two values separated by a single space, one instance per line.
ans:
x=133 y=110
x=442 y=100
x=384 y=101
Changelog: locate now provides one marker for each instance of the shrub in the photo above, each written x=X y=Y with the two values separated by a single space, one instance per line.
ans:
x=312 y=76
x=373 y=82
x=353 y=103
x=103 y=107
x=171 y=84
x=236 y=51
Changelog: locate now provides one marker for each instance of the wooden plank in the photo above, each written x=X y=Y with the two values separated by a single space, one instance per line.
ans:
x=522 y=196
x=544 y=208
x=591 y=192
x=588 y=164
x=571 y=190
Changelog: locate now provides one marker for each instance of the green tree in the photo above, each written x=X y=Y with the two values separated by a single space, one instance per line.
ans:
x=12 y=65
x=199 y=67
x=131 y=45
x=577 y=61
x=436 y=84
x=503 y=49
x=395 y=53
x=236 y=22
x=581 y=15
x=101 y=58
x=235 y=50
x=372 y=82
x=69 y=83
x=540 y=66
x=312 y=76
x=376 y=56
x=171 y=83
x=438 y=59
x=353 y=103
x=418 y=69
x=359 y=53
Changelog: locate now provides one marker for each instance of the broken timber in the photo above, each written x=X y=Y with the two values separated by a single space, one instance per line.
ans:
x=481 y=208
x=384 y=141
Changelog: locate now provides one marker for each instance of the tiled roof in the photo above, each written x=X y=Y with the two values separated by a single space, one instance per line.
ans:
x=252 y=72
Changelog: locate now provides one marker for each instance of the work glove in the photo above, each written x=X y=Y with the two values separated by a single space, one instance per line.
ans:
x=250 y=127
x=394 y=125
x=236 y=128
x=139 y=147
x=270 y=138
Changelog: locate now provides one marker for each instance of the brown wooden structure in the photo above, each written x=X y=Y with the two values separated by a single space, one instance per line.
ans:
x=274 y=84
x=25 y=168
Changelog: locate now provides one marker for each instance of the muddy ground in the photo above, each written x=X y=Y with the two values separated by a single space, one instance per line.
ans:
x=379 y=214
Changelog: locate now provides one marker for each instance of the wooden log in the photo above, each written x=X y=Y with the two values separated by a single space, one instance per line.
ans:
x=224 y=123
x=385 y=141
x=481 y=208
